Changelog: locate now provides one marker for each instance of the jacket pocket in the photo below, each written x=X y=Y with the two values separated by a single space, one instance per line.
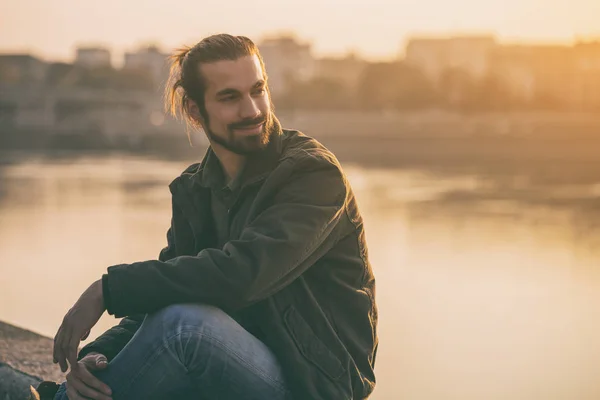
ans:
x=311 y=347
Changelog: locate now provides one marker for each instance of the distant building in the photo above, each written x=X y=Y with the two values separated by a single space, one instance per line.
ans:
x=93 y=57
x=546 y=74
x=150 y=59
x=287 y=61
x=61 y=74
x=22 y=69
x=345 y=70
x=516 y=67
x=434 y=56
x=586 y=57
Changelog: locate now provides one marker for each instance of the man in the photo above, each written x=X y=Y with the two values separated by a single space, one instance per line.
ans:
x=264 y=290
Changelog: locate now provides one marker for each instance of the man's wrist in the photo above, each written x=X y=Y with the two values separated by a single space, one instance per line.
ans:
x=105 y=291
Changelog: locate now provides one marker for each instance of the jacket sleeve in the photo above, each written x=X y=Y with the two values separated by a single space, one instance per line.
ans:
x=284 y=240
x=111 y=342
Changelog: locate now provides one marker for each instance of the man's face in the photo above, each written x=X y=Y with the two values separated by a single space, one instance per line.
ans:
x=237 y=105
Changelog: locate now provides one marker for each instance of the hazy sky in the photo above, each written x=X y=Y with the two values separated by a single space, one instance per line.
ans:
x=375 y=28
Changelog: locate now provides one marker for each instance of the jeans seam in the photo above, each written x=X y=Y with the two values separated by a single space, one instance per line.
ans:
x=241 y=359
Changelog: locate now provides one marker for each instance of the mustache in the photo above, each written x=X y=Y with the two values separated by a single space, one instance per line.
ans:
x=249 y=122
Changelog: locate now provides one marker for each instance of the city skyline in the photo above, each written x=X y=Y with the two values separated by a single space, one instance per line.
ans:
x=117 y=55
x=53 y=31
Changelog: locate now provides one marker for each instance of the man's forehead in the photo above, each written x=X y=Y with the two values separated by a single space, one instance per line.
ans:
x=240 y=74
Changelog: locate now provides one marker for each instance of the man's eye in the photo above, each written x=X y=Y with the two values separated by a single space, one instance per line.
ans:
x=228 y=98
x=259 y=91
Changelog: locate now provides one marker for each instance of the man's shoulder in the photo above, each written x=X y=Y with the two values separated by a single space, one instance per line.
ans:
x=309 y=172
x=192 y=169
x=186 y=177
x=317 y=167
x=299 y=148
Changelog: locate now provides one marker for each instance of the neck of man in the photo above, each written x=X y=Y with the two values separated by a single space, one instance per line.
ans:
x=231 y=162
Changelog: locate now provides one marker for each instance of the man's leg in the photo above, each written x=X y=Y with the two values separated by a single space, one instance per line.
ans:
x=194 y=349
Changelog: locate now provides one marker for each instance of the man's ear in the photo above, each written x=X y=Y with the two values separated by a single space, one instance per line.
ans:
x=194 y=113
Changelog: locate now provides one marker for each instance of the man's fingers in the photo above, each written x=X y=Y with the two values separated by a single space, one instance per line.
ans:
x=90 y=380
x=58 y=350
x=56 y=347
x=96 y=363
x=63 y=349
x=72 y=393
x=72 y=345
x=93 y=359
x=85 y=391
x=63 y=364
x=81 y=392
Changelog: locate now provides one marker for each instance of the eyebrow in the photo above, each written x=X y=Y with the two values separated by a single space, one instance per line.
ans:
x=230 y=91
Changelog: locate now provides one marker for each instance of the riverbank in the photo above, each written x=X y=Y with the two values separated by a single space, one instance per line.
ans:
x=545 y=147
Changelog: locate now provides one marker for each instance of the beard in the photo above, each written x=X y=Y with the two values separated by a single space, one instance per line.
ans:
x=247 y=144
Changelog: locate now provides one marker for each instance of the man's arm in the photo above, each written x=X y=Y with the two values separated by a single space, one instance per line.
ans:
x=111 y=342
x=279 y=245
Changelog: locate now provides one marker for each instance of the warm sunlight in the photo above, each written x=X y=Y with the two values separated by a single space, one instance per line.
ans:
x=334 y=199
x=375 y=28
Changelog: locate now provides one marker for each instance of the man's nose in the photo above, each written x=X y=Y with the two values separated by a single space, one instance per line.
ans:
x=249 y=109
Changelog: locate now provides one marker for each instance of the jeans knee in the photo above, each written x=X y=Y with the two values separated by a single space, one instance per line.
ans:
x=187 y=330
x=187 y=315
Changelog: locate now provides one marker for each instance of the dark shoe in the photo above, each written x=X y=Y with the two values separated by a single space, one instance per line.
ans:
x=45 y=391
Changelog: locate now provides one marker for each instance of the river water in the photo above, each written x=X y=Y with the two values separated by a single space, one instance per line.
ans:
x=480 y=297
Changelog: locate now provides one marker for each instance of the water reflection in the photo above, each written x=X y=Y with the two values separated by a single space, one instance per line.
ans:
x=488 y=289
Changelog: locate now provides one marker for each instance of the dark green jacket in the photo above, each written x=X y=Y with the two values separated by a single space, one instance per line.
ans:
x=296 y=266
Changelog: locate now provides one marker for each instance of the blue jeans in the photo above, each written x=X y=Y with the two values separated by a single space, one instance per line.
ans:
x=192 y=351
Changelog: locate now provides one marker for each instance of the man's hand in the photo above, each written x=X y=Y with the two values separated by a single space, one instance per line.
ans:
x=76 y=325
x=81 y=384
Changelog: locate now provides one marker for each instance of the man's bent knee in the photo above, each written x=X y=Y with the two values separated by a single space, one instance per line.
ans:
x=187 y=315
x=195 y=333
